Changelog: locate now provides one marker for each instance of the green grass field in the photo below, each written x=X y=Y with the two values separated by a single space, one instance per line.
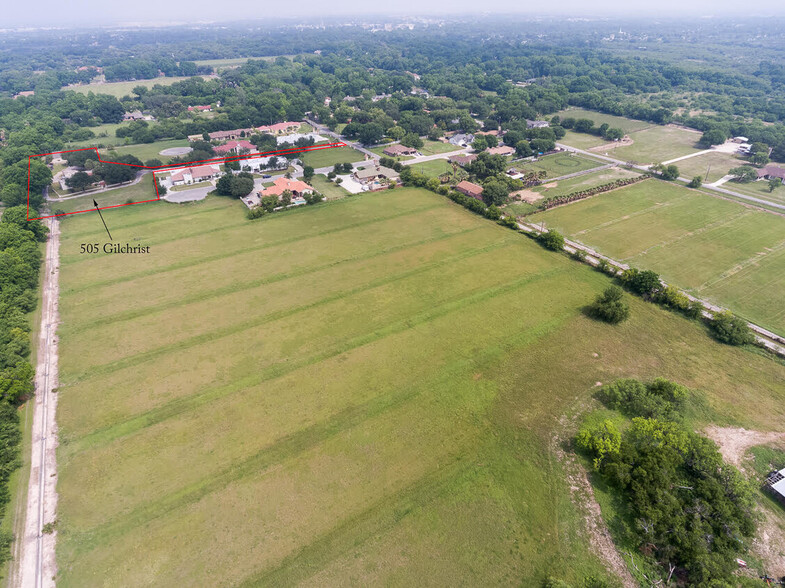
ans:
x=716 y=164
x=582 y=140
x=658 y=143
x=433 y=147
x=626 y=124
x=329 y=157
x=144 y=190
x=104 y=135
x=361 y=392
x=330 y=190
x=719 y=250
x=559 y=164
x=758 y=189
x=145 y=151
x=120 y=89
x=433 y=168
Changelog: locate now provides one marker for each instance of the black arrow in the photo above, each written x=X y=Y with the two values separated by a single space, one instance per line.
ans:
x=102 y=220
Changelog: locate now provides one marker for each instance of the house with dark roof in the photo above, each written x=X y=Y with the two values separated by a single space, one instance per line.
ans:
x=461 y=139
x=771 y=171
x=398 y=149
x=469 y=189
x=375 y=173
x=501 y=150
x=462 y=159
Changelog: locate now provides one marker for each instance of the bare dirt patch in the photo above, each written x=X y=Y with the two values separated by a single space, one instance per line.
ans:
x=550 y=185
x=582 y=495
x=769 y=544
x=734 y=443
x=529 y=196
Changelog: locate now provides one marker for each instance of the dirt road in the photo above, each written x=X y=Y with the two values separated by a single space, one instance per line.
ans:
x=36 y=558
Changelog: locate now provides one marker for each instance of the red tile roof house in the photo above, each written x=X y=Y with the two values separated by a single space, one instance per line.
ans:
x=296 y=187
x=281 y=128
x=469 y=189
x=771 y=171
x=234 y=147
x=396 y=150
x=189 y=175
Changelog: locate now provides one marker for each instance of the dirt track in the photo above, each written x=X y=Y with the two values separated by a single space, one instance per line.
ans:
x=36 y=557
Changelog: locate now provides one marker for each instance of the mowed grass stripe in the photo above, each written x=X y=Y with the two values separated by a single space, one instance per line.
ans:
x=123 y=393
x=251 y=265
x=447 y=402
x=251 y=323
x=203 y=295
x=377 y=520
x=241 y=249
x=277 y=370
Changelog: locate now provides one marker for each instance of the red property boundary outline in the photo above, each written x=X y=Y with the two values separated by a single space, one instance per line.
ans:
x=163 y=167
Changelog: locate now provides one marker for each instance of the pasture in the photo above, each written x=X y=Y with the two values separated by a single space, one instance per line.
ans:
x=120 y=89
x=627 y=125
x=658 y=143
x=725 y=252
x=147 y=151
x=433 y=168
x=558 y=164
x=709 y=166
x=335 y=394
x=433 y=147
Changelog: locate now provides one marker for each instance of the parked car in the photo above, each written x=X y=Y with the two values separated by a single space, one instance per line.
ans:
x=266 y=176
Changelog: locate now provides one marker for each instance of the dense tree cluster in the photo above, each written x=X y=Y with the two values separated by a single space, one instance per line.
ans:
x=692 y=512
x=20 y=259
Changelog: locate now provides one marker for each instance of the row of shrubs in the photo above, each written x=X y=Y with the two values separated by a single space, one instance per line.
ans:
x=581 y=194
x=273 y=204
x=610 y=307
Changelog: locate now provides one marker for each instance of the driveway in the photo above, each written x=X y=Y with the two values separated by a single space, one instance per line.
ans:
x=192 y=195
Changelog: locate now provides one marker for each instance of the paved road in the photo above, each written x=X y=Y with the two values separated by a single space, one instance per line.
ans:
x=36 y=565
x=707 y=186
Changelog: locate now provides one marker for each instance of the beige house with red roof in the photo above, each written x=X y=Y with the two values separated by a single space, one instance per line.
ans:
x=469 y=189
x=190 y=175
x=234 y=147
x=282 y=128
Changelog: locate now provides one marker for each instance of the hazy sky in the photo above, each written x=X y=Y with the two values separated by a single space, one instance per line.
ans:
x=93 y=12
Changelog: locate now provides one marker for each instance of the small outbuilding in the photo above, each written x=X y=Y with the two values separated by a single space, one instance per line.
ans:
x=775 y=485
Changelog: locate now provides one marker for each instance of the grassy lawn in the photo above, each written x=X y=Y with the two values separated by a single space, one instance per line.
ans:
x=433 y=147
x=330 y=190
x=716 y=163
x=318 y=353
x=758 y=189
x=658 y=143
x=144 y=190
x=559 y=164
x=104 y=135
x=189 y=186
x=626 y=124
x=433 y=168
x=329 y=157
x=145 y=151
x=581 y=140
x=120 y=89
x=720 y=250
